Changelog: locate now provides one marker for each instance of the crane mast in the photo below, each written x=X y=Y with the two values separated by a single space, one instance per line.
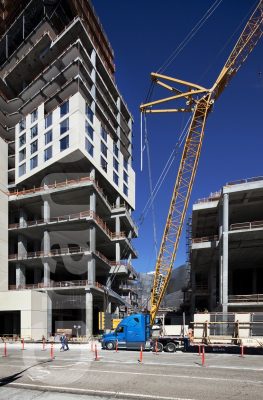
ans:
x=199 y=101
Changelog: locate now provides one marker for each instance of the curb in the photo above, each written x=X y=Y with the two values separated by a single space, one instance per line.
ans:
x=90 y=392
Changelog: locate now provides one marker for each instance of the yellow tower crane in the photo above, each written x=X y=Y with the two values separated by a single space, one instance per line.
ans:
x=199 y=101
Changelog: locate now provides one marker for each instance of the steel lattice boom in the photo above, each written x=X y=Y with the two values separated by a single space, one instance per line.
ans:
x=200 y=107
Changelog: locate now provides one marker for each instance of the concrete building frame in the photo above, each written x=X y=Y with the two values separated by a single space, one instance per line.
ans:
x=67 y=182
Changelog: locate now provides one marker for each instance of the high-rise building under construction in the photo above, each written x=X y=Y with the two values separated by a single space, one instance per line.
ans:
x=67 y=183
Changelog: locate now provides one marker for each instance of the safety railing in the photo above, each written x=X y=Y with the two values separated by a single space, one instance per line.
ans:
x=213 y=197
x=53 y=284
x=59 y=252
x=238 y=182
x=69 y=183
x=127 y=287
x=54 y=252
x=70 y=217
x=246 y=298
x=246 y=225
x=204 y=239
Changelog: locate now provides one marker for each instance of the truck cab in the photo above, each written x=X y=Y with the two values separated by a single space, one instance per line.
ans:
x=131 y=333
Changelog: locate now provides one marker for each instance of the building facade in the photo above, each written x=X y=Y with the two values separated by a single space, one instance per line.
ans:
x=67 y=182
x=226 y=254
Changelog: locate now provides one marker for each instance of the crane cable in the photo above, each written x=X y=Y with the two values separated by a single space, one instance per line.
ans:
x=164 y=172
x=151 y=185
x=190 y=35
x=183 y=44
x=154 y=191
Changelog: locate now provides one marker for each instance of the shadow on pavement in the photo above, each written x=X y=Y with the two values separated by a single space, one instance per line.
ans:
x=14 y=377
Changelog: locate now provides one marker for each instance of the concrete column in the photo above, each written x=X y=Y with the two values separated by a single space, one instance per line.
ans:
x=92 y=202
x=22 y=218
x=46 y=249
x=22 y=246
x=117 y=224
x=91 y=262
x=91 y=271
x=20 y=275
x=46 y=242
x=225 y=252
x=118 y=202
x=93 y=173
x=92 y=238
x=49 y=314
x=117 y=252
x=46 y=211
x=108 y=310
x=89 y=314
x=46 y=273
x=117 y=310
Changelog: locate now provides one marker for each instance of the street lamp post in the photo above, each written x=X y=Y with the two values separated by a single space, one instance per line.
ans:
x=77 y=327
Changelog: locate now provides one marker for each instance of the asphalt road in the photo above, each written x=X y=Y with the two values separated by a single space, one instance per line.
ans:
x=75 y=374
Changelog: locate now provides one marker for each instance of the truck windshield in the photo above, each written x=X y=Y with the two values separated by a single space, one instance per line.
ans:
x=120 y=329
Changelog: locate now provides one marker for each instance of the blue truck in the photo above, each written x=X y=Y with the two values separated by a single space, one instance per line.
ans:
x=133 y=332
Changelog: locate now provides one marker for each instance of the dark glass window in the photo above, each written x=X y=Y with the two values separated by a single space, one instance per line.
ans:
x=48 y=120
x=115 y=178
x=115 y=149
x=22 y=140
x=22 y=155
x=64 y=126
x=125 y=176
x=34 y=147
x=64 y=143
x=22 y=169
x=48 y=153
x=48 y=137
x=103 y=148
x=89 y=113
x=125 y=164
x=22 y=124
x=104 y=164
x=125 y=190
x=64 y=108
x=89 y=147
x=33 y=162
x=34 y=131
x=103 y=134
x=89 y=130
x=115 y=164
x=34 y=116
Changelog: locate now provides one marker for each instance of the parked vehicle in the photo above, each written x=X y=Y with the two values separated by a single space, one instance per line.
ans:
x=133 y=332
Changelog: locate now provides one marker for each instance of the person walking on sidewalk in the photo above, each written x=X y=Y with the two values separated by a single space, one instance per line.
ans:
x=66 y=343
x=62 y=341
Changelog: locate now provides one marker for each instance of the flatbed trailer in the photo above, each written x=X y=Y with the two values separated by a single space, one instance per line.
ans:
x=224 y=349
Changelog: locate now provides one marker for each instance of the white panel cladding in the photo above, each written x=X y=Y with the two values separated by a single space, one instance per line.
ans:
x=77 y=140
x=33 y=307
x=57 y=154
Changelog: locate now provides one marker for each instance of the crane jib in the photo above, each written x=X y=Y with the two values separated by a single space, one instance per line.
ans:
x=200 y=107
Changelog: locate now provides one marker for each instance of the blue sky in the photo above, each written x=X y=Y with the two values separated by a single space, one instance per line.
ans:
x=143 y=34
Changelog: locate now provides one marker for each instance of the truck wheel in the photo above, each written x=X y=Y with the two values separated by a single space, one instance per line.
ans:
x=170 y=347
x=110 y=345
x=159 y=347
